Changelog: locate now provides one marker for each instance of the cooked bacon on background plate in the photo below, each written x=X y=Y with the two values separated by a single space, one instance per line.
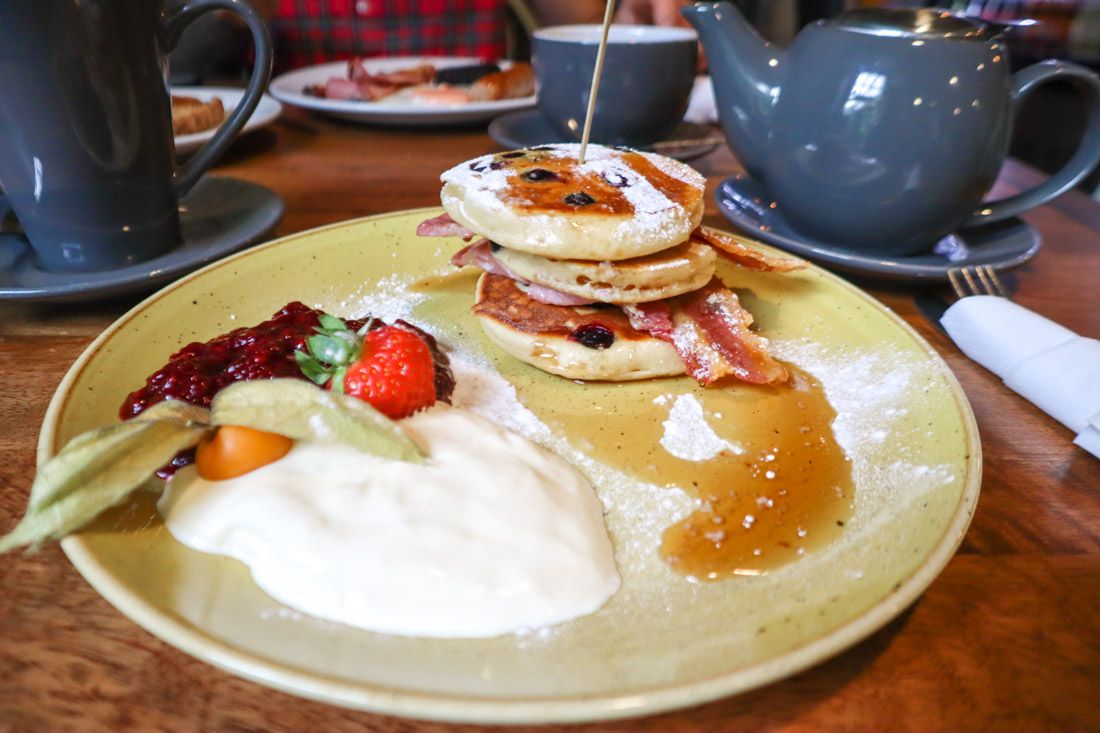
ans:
x=424 y=84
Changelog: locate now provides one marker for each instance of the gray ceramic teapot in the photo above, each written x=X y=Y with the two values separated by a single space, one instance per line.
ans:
x=881 y=130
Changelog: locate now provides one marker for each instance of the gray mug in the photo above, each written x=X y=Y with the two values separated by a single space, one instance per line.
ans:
x=645 y=84
x=87 y=154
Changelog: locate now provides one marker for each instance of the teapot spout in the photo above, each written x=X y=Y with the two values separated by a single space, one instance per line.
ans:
x=746 y=71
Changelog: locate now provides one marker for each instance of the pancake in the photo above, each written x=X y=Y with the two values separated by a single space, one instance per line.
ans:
x=574 y=342
x=687 y=266
x=619 y=204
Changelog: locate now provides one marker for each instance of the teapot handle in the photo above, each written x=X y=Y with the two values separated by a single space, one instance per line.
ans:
x=1087 y=83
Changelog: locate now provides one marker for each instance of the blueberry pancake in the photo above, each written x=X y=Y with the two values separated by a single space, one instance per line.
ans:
x=577 y=342
x=687 y=266
x=616 y=205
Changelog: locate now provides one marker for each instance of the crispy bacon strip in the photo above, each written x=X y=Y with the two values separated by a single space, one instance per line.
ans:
x=337 y=88
x=356 y=71
x=361 y=85
x=443 y=226
x=710 y=331
x=550 y=296
x=725 y=325
x=654 y=318
x=744 y=256
x=480 y=254
x=420 y=74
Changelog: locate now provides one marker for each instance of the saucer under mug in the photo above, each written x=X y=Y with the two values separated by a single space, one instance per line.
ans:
x=1001 y=245
x=218 y=216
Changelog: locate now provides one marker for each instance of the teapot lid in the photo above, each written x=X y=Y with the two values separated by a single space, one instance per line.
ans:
x=912 y=23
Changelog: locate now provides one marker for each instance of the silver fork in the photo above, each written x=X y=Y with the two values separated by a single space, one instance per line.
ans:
x=976 y=280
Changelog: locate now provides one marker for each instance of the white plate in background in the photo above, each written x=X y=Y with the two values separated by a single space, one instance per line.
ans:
x=290 y=88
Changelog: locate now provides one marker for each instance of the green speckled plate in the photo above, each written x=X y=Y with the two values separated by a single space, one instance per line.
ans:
x=661 y=642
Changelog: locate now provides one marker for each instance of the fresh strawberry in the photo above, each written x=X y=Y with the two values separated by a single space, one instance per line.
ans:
x=390 y=367
x=395 y=373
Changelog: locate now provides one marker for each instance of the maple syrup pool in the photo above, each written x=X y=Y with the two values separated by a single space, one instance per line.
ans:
x=772 y=484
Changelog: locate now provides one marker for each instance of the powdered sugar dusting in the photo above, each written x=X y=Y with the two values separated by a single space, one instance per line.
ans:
x=869 y=391
x=487 y=181
x=638 y=190
x=480 y=389
x=687 y=340
x=482 y=183
x=478 y=174
x=676 y=169
x=689 y=436
x=388 y=299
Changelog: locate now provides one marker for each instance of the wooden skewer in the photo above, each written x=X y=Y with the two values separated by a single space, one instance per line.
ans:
x=596 y=77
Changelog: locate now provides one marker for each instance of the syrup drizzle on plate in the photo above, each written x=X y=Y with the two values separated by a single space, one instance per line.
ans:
x=780 y=487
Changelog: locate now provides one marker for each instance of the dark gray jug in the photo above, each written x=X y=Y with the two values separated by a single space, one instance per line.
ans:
x=881 y=130
x=87 y=159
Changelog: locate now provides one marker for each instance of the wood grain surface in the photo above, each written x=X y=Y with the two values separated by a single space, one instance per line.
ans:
x=1007 y=638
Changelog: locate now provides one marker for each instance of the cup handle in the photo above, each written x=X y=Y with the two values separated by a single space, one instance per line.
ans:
x=189 y=173
x=1077 y=167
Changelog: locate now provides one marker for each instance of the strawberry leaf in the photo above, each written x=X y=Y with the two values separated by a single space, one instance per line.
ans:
x=331 y=323
x=329 y=353
x=331 y=349
x=312 y=369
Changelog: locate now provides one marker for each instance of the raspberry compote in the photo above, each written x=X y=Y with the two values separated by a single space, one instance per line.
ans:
x=198 y=371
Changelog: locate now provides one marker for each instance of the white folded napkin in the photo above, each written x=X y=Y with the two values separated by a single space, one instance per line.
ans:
x=1047 y=364
x=1089 y=438
x=702 y=109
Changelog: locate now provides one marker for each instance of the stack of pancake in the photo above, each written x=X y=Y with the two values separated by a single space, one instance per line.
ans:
x=600 y=270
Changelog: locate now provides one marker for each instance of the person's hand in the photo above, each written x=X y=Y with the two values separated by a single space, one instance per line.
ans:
x=651 y=12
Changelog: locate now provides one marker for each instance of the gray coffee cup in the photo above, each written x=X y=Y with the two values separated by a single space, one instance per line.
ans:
x=645 y=84
x=87 y=154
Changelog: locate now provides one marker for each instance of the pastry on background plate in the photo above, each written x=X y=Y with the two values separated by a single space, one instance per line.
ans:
x=191 y=115
x=600 y=270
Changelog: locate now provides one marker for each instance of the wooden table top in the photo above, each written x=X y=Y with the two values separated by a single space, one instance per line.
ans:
x=1007 y=638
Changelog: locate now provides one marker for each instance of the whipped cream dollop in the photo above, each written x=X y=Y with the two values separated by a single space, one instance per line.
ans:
x=491 y=535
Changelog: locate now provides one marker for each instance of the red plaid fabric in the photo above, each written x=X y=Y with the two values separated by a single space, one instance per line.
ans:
x=308 y=32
